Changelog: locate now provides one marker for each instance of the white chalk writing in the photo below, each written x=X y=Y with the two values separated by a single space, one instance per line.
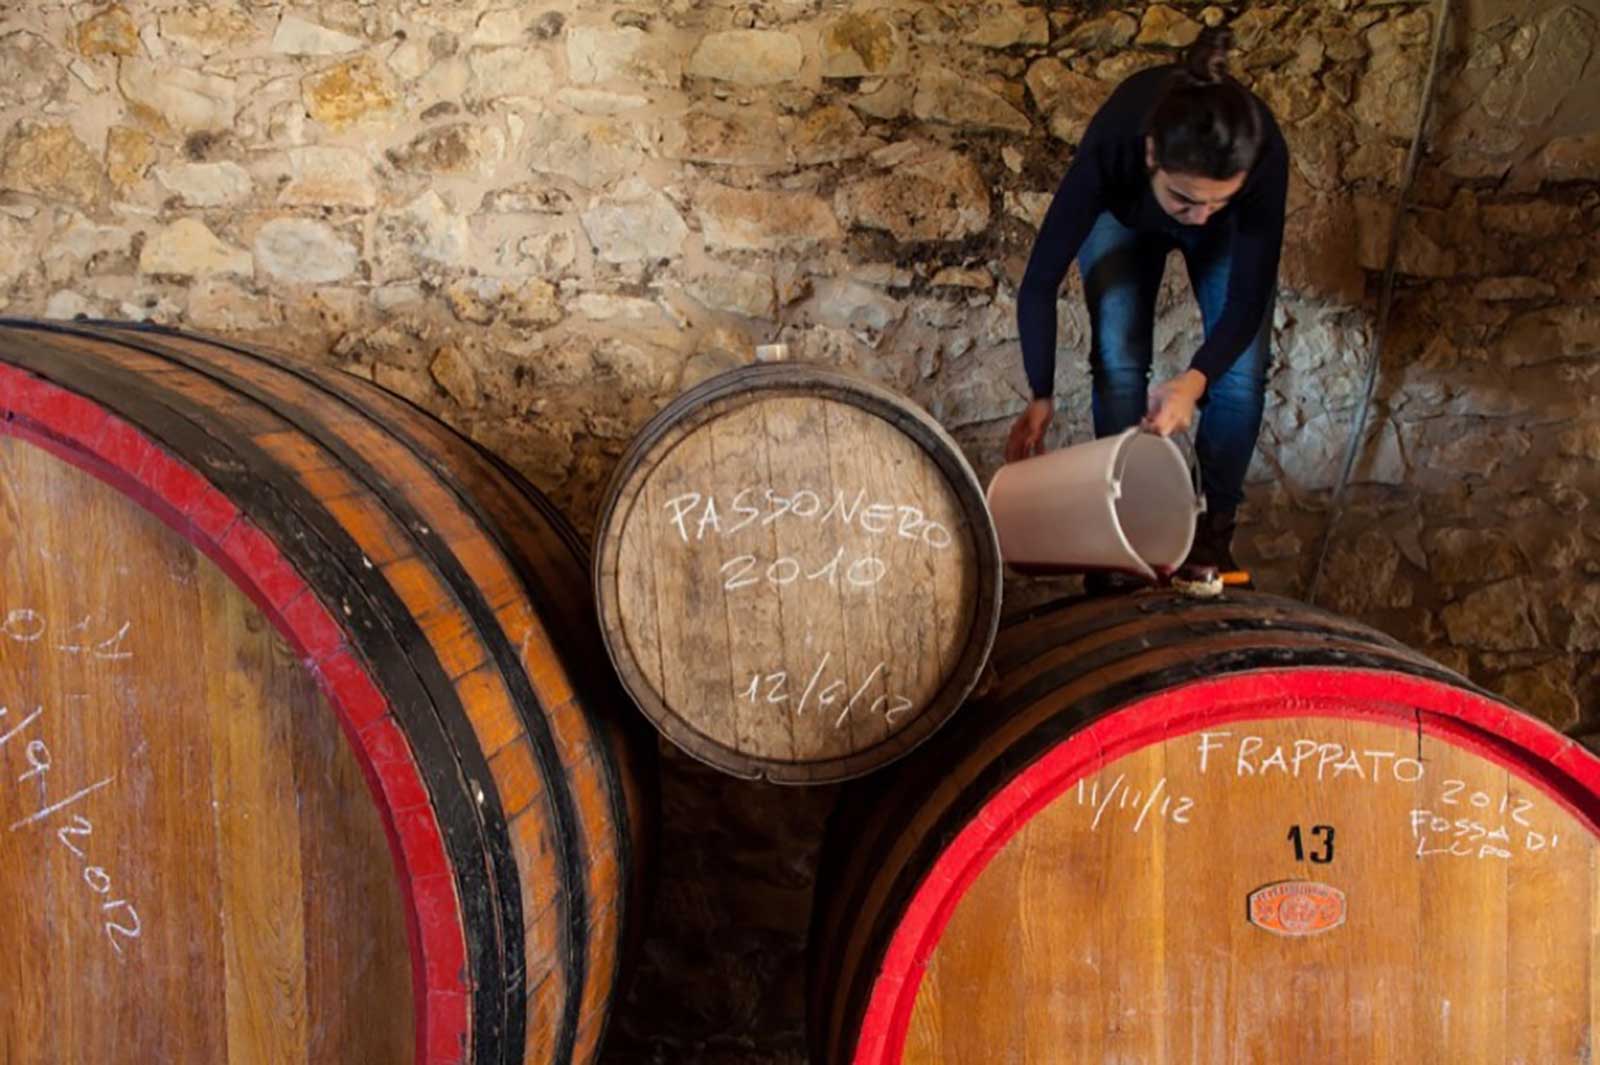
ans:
x=1121 y=796
x=694 y=515
x=745 y=570
x=829 y=688
x=86 y=636
x=1456 y=793
x=759 y=542
x=1463 y=821
x=1467 y=837
x=1251 y=756
x=1481 y=823
x=119 y=917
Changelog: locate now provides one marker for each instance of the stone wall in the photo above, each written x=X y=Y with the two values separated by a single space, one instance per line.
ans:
x=541 y=220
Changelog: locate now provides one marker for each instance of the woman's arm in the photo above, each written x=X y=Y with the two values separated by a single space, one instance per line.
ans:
x=1077 y=203
x=1252 y=270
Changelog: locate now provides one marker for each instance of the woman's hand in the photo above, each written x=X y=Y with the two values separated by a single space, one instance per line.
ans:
x=1027 y=434
x=1172 y=403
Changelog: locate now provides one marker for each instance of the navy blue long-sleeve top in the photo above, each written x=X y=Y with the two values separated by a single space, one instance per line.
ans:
x=1108 y=173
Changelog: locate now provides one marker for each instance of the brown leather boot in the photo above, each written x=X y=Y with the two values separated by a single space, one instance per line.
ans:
x=1213 y=549
x=1112 y=582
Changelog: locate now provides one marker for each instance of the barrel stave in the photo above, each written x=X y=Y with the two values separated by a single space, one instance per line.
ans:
x=415 y=600
x=465 y=634
x=261 y=782
x=1071 y=677
x=437 y=610
x=796 y=574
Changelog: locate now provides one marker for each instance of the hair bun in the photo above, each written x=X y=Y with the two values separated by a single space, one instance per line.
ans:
x=1207 y=58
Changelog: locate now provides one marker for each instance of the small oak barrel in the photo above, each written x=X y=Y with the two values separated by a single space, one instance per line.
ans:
x=310 y=749
x=796 y=573
x=1236 y=830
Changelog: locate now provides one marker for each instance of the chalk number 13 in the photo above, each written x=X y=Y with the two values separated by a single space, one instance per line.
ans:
x=1322 y=833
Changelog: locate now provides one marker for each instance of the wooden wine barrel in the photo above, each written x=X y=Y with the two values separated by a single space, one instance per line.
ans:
x=796 y=573
x=1236 y=830
x=312 y=753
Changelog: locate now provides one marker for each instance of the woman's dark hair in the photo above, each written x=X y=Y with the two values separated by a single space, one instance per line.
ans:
x=1206 y=123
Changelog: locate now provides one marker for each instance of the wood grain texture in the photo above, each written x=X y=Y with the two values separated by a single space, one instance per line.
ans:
x=524 y=684
x=1107 y=931
x=461 y=665
x=1065 y=874
x=796 y=574
x=234 y=823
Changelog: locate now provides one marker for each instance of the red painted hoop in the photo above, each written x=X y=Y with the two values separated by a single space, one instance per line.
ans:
x=86 y=435
x=1558 y=766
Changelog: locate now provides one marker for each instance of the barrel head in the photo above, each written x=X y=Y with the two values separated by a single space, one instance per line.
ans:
x=797 y=575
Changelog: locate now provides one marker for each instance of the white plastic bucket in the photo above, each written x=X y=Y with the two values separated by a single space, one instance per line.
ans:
x=1127 y=502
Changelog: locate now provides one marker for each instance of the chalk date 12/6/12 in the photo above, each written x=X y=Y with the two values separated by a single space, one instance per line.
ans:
x=824 y=691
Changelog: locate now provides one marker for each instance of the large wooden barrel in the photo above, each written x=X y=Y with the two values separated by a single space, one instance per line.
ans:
x=1240 y=830
x=311 y=750
x=796 y=572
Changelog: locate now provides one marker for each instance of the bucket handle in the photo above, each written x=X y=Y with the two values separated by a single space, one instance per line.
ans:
x=1192 y=456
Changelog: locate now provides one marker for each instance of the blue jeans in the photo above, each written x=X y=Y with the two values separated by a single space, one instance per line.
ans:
x=1121 y=272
